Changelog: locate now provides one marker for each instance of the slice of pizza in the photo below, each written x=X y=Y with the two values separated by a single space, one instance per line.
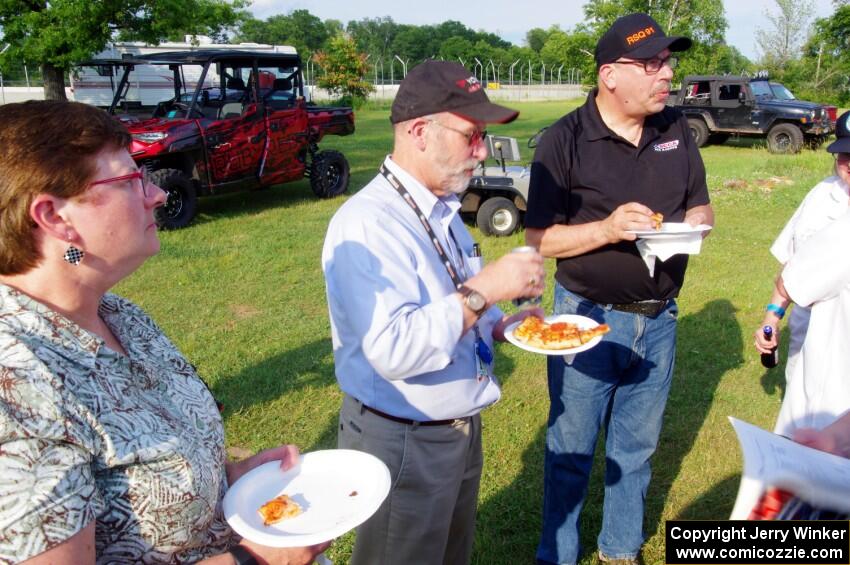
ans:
x=561 y=335
x=279 y=508
x=537 y=333
x=589 y=334
x=657 y=219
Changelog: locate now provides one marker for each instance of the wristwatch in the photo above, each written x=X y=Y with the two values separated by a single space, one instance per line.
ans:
x=473 y=299
x=242 y=556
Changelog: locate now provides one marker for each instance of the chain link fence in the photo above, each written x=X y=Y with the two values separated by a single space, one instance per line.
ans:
x=522 y=79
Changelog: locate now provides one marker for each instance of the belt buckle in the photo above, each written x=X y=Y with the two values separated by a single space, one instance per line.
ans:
x=654 y=308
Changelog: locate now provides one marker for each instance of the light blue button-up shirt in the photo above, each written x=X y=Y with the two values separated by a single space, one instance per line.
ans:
x=395 y=323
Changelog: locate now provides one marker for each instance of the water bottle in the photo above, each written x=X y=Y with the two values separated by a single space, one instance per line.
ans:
x=769 y=360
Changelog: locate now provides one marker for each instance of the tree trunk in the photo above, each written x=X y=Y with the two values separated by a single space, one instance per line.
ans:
x=54 y=82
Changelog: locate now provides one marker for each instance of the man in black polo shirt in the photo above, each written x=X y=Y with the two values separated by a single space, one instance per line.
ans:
x=599 y=173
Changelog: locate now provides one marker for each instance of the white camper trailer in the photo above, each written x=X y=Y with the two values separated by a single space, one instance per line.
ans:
x=151 y=84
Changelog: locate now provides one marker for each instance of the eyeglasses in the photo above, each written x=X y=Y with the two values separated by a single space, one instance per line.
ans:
x=841 y=157
x=652 y=66
x=141 y=174
x=473 y=137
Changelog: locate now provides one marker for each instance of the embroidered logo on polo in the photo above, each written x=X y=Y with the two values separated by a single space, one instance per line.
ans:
x=471 y=84
x=667 y=146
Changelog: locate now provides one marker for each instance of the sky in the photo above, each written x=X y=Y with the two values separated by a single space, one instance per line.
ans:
x=510 y=19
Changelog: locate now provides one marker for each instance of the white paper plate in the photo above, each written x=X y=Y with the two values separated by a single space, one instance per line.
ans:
x=583 y=322
x=671 y=230
x=322 y=484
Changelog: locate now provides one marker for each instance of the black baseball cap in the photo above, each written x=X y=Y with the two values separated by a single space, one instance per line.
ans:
x=636 y=36
x=442 y=86
x=842 y=135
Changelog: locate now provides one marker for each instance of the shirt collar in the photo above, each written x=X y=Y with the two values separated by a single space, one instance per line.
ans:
x=443 y=209
x=595 y=128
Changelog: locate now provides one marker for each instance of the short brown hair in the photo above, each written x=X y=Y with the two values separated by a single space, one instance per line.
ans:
x=46 y=147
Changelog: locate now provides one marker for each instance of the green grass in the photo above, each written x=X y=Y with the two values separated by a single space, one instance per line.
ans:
x=241 y=293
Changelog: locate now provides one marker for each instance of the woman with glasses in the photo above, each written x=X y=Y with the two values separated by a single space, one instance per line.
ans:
x=111 y=447
x=827 y=201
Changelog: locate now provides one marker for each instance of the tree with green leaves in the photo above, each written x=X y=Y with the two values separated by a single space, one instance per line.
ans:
x=57 y=34
x=300 y=29
x=535 y=38
x=343 y=69
x=701 y=20
x=823 y=72
x=783 y=39
x=570 y=50
x=373 y=36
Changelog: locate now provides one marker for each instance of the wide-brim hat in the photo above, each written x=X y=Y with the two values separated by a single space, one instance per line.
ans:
x=636 y=36
x=443 y=86
x=842 y=134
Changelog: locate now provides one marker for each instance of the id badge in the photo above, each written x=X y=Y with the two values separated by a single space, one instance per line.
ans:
x=483 y=359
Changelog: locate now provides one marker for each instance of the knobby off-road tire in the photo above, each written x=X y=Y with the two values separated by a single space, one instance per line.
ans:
x=784 y=138
x=699 y=131
x=182 y=202
x=329 y=174
x=497 y=216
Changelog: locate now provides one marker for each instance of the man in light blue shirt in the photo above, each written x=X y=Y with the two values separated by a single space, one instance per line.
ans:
x=413 y=319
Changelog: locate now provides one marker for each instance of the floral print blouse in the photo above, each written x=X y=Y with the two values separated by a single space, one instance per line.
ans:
x=133 y=442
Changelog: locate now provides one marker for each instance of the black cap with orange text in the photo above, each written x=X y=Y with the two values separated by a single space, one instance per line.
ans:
x=636 y=36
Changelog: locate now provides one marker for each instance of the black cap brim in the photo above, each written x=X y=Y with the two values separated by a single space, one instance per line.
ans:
x=840 y=145
x=652 y=47
x=486 y=112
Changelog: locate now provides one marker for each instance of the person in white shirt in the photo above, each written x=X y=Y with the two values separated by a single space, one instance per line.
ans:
x=818 y=276
x=413 y=320
x=827 y=201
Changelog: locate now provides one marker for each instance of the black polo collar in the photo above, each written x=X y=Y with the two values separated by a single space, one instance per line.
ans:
x=595 y=129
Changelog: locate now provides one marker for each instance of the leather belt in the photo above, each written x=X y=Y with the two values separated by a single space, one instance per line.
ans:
x=649 y=308
x=408 y=421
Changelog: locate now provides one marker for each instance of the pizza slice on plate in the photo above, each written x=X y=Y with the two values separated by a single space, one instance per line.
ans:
x=279 y=508
x=537 y=333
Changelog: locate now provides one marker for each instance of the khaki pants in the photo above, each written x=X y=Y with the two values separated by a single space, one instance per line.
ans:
x=428 y=517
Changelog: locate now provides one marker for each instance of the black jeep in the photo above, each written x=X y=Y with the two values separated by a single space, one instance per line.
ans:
x=720 y=106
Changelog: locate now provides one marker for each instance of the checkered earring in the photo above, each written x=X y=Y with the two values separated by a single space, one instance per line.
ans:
x=73 y=255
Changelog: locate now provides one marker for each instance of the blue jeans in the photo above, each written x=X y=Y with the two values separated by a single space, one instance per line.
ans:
x=621 y=384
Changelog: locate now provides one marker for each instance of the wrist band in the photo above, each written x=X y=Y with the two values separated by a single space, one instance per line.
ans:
x=242 y=556
x=778 y=310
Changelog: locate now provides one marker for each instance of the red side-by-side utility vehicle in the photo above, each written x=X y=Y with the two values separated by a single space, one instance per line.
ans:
x=225 y=120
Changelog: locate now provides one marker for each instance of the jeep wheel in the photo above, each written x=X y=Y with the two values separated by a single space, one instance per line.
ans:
x=699 y=131
x=497 y=216
x=329 y=174
x=182 y=200
x=784 y=138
